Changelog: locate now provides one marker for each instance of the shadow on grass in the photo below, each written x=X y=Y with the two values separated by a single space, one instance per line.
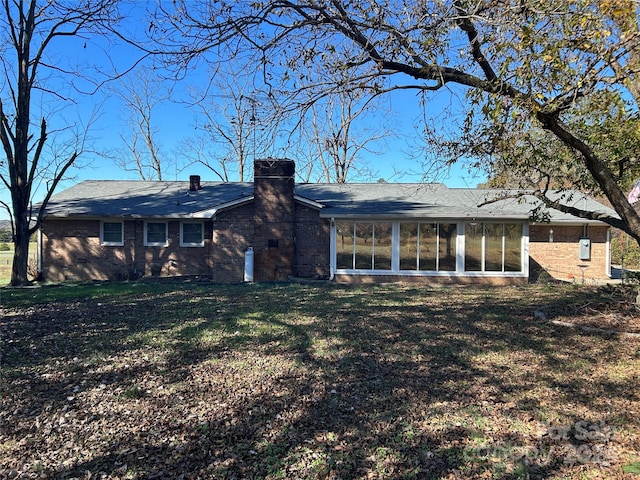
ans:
x=299 y=381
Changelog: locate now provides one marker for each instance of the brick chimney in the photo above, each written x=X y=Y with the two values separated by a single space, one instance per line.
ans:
x=273 y=219
x=194 y=183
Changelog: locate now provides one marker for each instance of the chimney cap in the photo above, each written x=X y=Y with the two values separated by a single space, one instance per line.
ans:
x=279 y=167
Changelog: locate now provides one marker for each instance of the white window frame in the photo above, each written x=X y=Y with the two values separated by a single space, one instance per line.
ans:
x=460 y=251
x=394 y=236
x=192 y=244
x=109 y=243
x=438 y=224
x=166 y=234
x=502 y=272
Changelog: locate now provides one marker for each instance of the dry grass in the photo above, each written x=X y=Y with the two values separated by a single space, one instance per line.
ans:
x=313 y=381
x=6 y=260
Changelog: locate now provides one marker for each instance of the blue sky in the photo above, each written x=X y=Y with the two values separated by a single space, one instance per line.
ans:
x=176 y=120
x=175 y=123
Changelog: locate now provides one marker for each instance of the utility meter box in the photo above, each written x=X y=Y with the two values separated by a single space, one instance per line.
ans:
x=585 y=249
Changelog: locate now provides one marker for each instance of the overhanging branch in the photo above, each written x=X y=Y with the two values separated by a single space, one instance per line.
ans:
x=559 y=206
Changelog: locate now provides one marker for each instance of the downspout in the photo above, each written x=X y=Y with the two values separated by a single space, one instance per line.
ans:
x=332 y=249
x=212 y=246
x=39 y=253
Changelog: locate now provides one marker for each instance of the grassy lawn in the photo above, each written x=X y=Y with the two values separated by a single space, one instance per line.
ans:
x=6 y=259
x=141 y=380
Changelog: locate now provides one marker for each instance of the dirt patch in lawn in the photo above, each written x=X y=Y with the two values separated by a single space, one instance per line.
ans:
x=195 y=380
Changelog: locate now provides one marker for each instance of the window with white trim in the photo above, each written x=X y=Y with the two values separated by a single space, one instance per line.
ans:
x=493 y=247
x=155 y=234
x=363 y=245
x=191 y=234
x=428 y=246
x=111 y=233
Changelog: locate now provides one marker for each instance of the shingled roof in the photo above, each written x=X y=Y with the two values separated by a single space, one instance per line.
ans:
x=436 y=200
x=145 y=199
x=162 y=199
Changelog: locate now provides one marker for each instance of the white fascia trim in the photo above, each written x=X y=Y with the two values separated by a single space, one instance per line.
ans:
x=308 y=202
x=211 y=212
x=407 y=217
x=569 y=223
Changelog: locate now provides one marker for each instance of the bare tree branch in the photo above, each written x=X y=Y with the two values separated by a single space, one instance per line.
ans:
x=28 y=31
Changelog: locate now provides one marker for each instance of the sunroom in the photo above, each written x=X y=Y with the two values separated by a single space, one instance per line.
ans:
x=430 y=247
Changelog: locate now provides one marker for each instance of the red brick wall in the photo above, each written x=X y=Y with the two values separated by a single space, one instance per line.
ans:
x=312 y=235
x=175 y=260
x=71 y=250
x=273 y=219
x=232 y=235
x=560 y=259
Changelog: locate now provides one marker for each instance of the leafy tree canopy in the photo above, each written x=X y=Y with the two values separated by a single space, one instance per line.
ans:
x=547 y=83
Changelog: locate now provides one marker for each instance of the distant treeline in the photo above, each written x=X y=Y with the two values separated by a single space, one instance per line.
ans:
x=5 y=234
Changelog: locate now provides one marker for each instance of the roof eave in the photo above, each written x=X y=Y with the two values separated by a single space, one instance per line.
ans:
x=212 y=212
x=308 y=202
x=416 y=216
x=571 y=221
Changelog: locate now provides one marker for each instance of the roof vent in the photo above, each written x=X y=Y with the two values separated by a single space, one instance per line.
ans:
x=194 y=183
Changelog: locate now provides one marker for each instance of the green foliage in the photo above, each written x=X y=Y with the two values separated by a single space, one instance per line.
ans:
x=5 y=235
x=631 y=468
x=133 y=392
x=625 y=251
x=84 y=292
x=631 y=277
x=517 y=154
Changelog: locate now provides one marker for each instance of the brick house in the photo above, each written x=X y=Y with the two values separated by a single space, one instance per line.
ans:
x=273 y=229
